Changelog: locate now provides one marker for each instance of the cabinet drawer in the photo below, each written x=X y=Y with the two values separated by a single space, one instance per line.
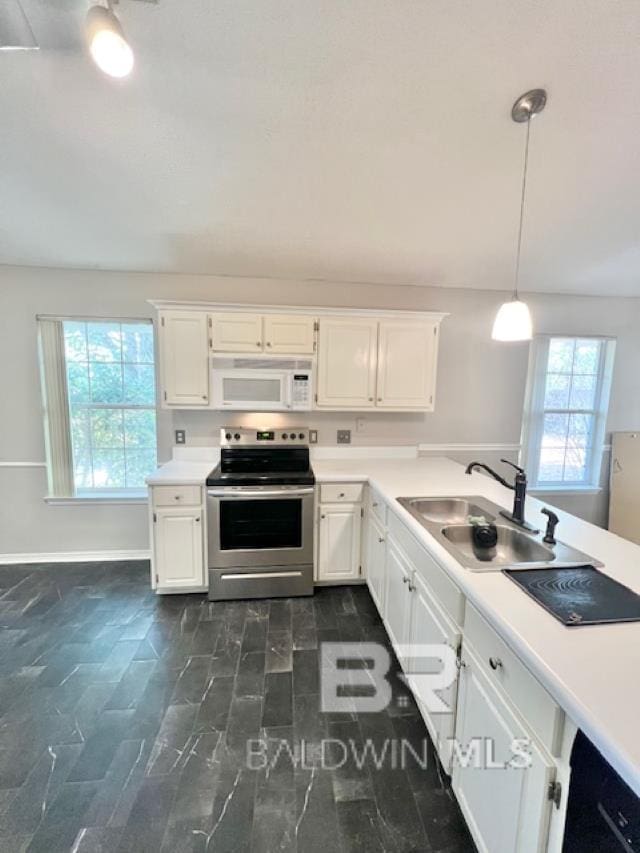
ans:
x=506 y=671
x=376 y=506
x=341 y=493
x=177 y=495
x=444 y=590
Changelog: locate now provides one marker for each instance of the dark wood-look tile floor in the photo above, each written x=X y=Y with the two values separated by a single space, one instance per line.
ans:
x=124 y=721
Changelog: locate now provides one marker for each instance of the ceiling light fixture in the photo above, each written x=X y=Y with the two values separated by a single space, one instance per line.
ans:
x=513 y=320
x=108 y=46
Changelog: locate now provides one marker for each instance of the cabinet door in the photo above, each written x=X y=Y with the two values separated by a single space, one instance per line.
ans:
x=397 y=599
x=339 y=542
x=288 y=333
x=430 y=626
x=407 y=355
x=507 y=808
x=236 y=332
x=179 y=549
x=347 y=363
x=184 y=357
x=376 y=553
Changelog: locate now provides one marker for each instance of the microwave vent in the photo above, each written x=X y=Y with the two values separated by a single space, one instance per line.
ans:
x=262 y=363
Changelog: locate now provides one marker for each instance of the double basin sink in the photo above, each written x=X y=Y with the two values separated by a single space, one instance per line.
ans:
x=448 y=521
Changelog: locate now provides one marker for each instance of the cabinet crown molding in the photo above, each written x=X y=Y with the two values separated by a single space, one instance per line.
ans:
x=313 y=310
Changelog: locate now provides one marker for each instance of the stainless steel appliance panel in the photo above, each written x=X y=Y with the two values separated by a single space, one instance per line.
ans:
x=260 y=526
x=225 y=584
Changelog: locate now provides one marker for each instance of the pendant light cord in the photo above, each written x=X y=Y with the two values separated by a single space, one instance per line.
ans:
x=522 y=198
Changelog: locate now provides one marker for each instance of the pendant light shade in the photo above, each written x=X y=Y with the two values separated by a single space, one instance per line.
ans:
x=513 y=322
x=108 y=46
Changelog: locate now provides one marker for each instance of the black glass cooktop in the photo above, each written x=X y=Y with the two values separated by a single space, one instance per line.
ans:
x=580 y=595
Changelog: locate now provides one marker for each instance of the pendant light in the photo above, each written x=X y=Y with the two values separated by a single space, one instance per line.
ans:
x=108 y=46
x=513 y=320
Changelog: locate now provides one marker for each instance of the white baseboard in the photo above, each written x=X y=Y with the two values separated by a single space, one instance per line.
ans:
x=75 y=557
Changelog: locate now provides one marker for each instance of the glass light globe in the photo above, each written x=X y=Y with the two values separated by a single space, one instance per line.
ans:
x=111 y=53
x=513 y=322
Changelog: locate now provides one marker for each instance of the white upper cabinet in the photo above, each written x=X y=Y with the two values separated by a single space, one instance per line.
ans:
x=184 y=359
x=289 y=333
x=347 y=363
x=407 y=360
x=236 y=332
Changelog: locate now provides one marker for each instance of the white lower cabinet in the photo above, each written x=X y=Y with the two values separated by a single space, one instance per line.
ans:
x=430 y=626
x=178 y=539
x=376 y=552
x=339 y=531
x=506 y=807
x=397 y=599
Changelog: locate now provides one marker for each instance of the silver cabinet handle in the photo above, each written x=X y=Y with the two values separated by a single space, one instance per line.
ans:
x=341 y=495
x=198 y=519
x=323 y=516
x=380 y=539
x=412 y=588
x=405 y=580
x=495 y=663
x=243 y=494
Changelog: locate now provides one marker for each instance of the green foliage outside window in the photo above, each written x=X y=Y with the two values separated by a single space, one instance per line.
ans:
x=111 y=388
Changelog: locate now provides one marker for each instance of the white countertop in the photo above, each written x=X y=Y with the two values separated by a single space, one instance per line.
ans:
x=593 y=672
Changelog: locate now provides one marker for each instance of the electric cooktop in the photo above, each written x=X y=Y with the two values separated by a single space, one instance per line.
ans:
x=579 y=595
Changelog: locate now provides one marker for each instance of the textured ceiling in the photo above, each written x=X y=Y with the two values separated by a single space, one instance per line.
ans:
x=365 y=140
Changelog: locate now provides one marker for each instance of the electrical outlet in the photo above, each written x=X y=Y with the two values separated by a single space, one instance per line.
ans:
x=313 y=436
x=360 y=424
x=181 y=436
x=344 y=436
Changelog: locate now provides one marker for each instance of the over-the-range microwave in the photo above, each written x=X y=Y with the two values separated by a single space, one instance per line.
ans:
x=267 y=384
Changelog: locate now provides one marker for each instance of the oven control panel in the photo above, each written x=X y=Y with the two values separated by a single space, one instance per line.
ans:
x=238 y=436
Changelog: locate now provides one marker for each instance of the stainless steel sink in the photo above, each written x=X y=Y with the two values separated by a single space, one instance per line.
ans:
x=513 y=547
x=447 y=510
x=447 y=520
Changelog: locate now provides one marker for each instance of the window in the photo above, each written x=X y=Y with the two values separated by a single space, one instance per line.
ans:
x=565 y=417
x=100 y=413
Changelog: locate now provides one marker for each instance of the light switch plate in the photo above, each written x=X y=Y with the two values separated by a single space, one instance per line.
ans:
x=344 y=436
x=181 y=436
x=313 y=436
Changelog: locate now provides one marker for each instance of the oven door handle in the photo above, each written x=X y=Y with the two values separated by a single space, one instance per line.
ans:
x=248 y=493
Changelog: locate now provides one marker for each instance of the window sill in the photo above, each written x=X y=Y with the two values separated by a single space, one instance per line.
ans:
x=565 y=490
x=87 y=500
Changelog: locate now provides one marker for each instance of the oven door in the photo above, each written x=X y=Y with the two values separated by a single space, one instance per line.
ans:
x=257 y=526
x=251 y=390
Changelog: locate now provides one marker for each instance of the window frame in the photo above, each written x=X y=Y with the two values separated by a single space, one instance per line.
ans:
x=534 y=412
x=115 y=495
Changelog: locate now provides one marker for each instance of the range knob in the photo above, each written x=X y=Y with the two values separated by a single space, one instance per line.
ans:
x=301 y=436
x=237 y=436
x=284 y=435
x=293 y=435
x=228 y=436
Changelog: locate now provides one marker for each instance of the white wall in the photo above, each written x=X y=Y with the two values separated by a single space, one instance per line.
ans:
x=479 y=401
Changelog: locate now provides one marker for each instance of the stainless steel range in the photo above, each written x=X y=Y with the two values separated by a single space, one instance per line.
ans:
x=260 y=515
